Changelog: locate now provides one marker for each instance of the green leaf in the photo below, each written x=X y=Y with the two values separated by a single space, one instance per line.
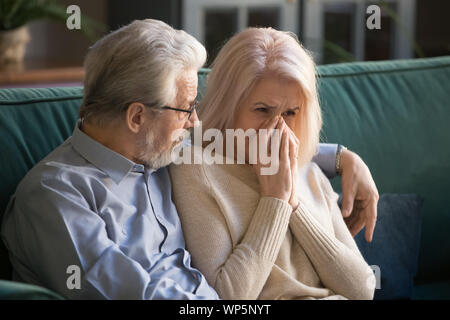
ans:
x=16 y=13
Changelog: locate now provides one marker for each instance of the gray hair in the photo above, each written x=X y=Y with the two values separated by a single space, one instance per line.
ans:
x=140 y=62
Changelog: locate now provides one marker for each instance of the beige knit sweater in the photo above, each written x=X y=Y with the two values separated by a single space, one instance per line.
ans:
x=252 y=247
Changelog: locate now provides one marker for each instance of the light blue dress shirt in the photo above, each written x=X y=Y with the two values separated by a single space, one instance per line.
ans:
x=85 y=206
x=326 y=159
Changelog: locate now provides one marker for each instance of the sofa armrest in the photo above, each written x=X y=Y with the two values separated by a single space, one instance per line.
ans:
x=11 y=290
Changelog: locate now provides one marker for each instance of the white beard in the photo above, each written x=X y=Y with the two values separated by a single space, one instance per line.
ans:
x=150 y=155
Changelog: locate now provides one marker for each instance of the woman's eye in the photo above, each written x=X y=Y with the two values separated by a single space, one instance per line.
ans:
x=263 y=110
x=289 y=114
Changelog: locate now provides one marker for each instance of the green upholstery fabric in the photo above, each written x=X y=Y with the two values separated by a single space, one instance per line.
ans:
x=32 y=123
x=394 y=114
x=11 y=290
x=202 y=74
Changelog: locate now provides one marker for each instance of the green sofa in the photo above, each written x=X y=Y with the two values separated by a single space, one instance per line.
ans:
x=394 y=114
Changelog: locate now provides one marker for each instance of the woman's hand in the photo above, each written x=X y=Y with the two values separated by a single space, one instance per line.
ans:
x=280 y=184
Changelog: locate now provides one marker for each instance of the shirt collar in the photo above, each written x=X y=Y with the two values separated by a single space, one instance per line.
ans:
x=110 y=162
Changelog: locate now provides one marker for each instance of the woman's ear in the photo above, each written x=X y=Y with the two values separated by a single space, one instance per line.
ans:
x=135 y=116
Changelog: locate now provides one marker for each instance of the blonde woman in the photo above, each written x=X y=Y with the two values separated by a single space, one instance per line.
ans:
x=279 y=236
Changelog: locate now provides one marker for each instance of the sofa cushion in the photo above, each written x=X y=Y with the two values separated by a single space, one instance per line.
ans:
x=10 y=290
x=395 y=245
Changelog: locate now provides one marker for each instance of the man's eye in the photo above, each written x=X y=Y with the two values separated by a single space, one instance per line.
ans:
x=263 y=110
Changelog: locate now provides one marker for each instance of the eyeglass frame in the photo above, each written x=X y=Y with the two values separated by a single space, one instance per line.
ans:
x=190 y=111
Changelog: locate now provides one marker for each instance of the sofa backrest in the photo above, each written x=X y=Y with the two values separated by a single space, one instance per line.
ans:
x=394 y=114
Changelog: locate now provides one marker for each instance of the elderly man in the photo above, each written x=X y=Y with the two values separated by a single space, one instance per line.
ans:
x=101 y=202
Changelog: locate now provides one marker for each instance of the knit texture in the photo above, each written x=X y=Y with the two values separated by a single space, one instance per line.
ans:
x=253 y=247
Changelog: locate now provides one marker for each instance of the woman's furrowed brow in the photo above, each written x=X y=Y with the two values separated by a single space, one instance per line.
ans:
x=275 y=107
x=266 y=105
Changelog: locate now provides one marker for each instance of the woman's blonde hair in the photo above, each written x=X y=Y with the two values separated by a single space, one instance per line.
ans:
x=250 y=56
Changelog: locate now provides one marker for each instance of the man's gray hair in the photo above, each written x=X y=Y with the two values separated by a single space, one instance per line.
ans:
x=140 y=62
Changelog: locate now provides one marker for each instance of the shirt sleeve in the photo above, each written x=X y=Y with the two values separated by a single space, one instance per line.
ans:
x=325 y=158
x=51 y=226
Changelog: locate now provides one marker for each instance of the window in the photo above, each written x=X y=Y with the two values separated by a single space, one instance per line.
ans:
x=212 y=22
x=335 y=30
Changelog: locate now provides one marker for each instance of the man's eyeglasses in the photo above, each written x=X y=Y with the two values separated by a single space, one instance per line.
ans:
x=189 y=111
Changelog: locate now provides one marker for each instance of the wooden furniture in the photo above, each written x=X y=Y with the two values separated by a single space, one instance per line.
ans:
x=43 y=78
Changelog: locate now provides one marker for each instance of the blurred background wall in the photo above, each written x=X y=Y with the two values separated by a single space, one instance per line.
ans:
x=333 y=29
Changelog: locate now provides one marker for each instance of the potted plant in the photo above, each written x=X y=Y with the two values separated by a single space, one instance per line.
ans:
x=14 y=16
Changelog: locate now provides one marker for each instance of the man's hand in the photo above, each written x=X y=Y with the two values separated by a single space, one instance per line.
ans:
x=359 y=195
